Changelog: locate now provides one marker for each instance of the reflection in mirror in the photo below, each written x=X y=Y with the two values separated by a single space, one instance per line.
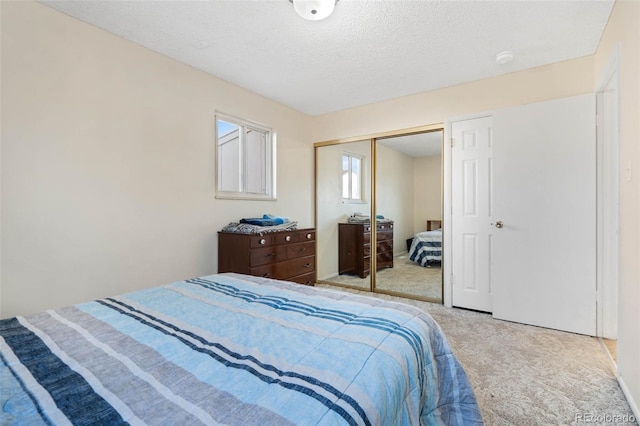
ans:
x=409 y=192
x=343 y=189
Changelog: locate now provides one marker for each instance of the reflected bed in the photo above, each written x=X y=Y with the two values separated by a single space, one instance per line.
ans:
x=426 y=248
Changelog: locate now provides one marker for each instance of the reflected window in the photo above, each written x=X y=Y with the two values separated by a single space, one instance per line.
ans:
x=352 y=177
x=245 y=159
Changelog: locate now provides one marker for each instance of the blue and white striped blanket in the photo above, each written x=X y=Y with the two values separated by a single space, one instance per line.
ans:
x=236 y=350
x=426 y=248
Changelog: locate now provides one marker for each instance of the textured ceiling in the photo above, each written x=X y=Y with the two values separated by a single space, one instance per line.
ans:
x=367 y=51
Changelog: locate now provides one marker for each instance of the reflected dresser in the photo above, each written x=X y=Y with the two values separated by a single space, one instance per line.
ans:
x=354 y=247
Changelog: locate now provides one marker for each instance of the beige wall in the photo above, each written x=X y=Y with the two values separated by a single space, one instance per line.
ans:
x=330 y=207
x=427 y=191
x=549 y=82
x=394 y=193
x=108 y=163
x=623 y=30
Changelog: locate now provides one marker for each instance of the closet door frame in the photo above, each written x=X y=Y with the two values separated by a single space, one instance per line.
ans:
x=372 y=165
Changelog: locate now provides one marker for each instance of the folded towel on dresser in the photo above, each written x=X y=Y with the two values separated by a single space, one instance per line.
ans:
x=365 y=218
x=278 y=219
x=260 y=221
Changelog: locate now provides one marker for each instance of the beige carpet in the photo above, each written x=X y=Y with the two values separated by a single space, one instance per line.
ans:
x=405 y=277
x=524 y=375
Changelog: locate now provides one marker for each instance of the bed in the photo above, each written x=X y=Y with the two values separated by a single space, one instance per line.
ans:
x=426 y=248
x=232 y=349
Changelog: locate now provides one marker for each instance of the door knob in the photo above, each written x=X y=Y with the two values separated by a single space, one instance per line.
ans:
x=498 y=224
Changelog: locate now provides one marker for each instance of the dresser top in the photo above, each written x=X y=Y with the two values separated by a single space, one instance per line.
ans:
x=283 y=231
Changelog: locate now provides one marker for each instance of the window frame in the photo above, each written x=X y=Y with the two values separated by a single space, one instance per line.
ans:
x=361 y=177
x=269 y=162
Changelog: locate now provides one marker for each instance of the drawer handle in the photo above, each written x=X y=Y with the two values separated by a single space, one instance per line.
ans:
x=300 y=250
x=263 y=241
x=381 y=226
x=308 y=236
x=306 y=265
x=287 y=238
x=270 y=254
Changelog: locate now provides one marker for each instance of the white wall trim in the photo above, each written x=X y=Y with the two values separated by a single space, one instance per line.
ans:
x=627 y=394
x=447 y=285
x=612 y=66
x=607 y=204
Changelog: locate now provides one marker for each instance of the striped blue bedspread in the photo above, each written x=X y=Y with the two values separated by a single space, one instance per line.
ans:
x=234 y=350
x=426 y=248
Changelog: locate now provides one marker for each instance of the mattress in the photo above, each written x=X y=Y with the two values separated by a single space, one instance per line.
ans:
x=232 y=349
x=426 y=248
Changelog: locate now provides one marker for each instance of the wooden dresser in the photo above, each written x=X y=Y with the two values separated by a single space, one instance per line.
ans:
x=286 y=255
x=354 y=247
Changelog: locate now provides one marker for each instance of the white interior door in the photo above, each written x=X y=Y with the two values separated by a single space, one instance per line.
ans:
x=544 y=191
x=472 y=207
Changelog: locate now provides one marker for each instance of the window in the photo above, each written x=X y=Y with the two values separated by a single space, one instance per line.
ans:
x=352 y=177
x=245 y=159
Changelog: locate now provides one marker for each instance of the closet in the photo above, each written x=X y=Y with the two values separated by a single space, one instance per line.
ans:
x=397 y=178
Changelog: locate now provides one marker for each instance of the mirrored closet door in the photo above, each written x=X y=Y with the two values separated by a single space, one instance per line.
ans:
x=396 y=179
x=408 y=188
x=343 y=191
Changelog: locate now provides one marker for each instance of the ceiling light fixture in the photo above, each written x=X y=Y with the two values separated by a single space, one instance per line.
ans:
x=314 y=10
x=504 y=57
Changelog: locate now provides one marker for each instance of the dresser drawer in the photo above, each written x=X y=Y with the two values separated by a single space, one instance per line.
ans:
x=385 y=246
x=260 y=241
x=286 y=270
x=266 y=271
x=384 y=226
x=286 y=237
x=262 y=256
x=295 y=267
x=301 y=249
x=307 y=235
x=384 y=235
x=383 y=257
x=366 y=238
x=306 y=279
x=384 y=264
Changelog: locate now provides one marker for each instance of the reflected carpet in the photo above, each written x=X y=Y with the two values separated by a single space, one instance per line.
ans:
x=405 y=277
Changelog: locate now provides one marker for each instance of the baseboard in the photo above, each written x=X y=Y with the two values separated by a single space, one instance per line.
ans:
x=612 y=362
x=627 y=394
x=327 y=277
